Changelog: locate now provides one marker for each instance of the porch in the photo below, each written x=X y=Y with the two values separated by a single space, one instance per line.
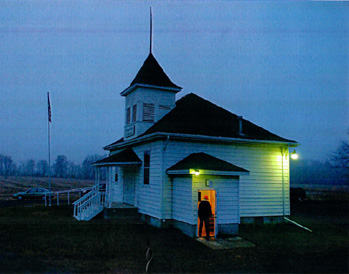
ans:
x=118 y=199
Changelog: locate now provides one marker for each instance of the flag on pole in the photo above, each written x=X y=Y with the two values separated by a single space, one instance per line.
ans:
x=49 y=107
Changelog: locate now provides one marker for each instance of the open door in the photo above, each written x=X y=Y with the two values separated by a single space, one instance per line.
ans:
x=211 y=194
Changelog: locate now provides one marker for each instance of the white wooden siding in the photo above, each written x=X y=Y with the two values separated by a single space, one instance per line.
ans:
x=148 y=96
x=182 y=200
x=261 y=190
x=148 y=197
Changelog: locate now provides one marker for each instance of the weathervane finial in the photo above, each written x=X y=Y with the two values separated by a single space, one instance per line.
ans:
x=151 y=31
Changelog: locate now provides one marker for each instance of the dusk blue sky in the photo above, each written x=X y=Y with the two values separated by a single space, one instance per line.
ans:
x=281 y=65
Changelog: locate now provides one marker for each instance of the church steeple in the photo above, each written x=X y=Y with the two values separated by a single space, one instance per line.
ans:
x=151 y=73
x=150 y=96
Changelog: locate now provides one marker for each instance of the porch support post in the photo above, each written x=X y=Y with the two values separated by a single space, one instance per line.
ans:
x=98 y=173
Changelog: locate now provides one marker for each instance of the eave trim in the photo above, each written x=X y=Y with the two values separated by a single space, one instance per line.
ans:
x=192 y=137
x=134 y=86
x=117 y=164
x=208 y=172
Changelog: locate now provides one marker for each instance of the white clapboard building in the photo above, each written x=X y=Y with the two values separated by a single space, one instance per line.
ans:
x=173 y=153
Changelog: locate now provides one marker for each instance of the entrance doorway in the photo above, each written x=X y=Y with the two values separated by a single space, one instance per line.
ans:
x=211 y=195
x=129 y=188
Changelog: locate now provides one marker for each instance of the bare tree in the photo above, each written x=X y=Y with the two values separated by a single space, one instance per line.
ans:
x=2 y=164
x=340 y=159
x=74 y=170
x=61 y=166
x=7 y=166
x=88 y=171
x=30 y=167
x=42 y=168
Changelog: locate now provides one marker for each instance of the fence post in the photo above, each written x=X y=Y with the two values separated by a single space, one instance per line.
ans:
x=57 y=199
x=68 y=198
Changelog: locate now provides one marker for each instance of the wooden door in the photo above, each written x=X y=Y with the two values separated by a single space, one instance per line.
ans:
x=129 y=188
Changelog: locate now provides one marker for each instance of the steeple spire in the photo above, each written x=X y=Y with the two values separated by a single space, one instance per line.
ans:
x=151 y=32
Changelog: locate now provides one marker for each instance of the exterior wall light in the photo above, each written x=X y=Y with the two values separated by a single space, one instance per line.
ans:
x=294 y=155
x=194 y=171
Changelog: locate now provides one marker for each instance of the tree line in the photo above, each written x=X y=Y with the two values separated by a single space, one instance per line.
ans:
x=61 y=168
x=334 y=170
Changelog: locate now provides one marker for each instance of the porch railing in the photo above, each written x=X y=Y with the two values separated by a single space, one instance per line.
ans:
x=89 y=205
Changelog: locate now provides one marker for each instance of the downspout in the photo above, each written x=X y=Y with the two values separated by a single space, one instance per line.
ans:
x=297 y=224
x=283 y=153
x=283 y=191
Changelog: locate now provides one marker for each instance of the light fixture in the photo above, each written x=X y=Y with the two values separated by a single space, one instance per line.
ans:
x=294 y=155
x=194 y=171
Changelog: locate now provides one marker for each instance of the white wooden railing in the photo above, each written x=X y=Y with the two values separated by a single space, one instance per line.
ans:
x=89 y=205
x=51 y=195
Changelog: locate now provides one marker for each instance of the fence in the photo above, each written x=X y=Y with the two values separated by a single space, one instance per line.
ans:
x=58 y=194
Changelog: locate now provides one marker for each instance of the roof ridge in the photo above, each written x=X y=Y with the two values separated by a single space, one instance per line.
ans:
x=209 y=102
x=209 y=120
x=194 y=115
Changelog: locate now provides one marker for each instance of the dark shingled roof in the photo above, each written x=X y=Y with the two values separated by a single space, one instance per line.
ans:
x=205 y=162
x=197 y=116
x=151 y=73
x=126 y=156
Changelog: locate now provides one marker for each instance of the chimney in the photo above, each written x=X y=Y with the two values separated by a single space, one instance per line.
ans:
x=240 y=125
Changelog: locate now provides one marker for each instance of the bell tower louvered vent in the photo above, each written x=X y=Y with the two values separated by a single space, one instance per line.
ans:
x=148 y=112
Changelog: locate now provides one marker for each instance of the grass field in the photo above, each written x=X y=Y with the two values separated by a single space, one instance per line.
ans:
x=38 y=239
x=12 y=184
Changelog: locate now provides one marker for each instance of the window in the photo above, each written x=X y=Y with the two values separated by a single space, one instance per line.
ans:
x=134 y=113
x=128 y=116
x=146 y=167
x=148 y=112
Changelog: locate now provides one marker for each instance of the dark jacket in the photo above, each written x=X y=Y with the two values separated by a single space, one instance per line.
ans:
x=205 y=209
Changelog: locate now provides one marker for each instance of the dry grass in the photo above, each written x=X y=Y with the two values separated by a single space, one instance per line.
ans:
x=46 y=240
x=38 y=239
x=12 y=184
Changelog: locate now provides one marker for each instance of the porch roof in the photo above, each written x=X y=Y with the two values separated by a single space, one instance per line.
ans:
x=203 y=163
x=125 y=157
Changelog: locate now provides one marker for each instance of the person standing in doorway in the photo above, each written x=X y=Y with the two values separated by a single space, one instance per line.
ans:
x=205 y=213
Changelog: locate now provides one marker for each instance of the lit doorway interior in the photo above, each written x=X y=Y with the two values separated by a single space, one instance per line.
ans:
x=211 y=194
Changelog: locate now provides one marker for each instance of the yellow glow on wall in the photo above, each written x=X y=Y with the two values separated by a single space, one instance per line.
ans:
x=279 y=158
x=194 y=172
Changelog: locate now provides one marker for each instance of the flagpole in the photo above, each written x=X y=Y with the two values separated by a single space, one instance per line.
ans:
x=49 y=146
x=49 y=157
